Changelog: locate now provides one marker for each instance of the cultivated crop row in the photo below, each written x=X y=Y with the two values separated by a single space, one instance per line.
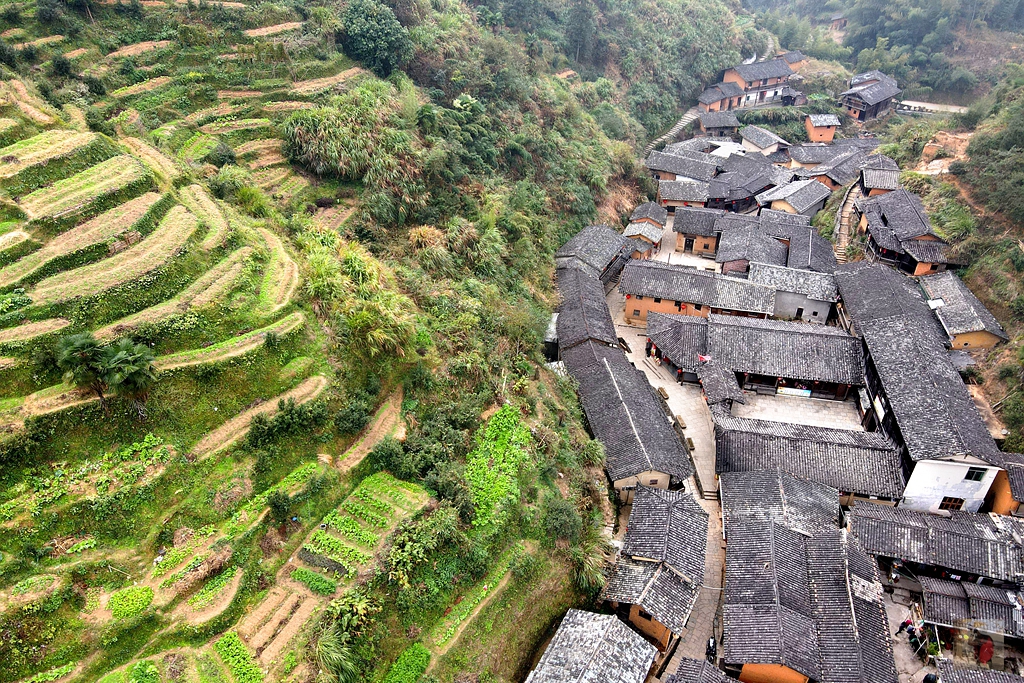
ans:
x=41 y=149
x=148 y=255
x=281 y=276
x=203 y=205
x=106 y=226
x=74 y=193
x=210 y=287
x=154 y=158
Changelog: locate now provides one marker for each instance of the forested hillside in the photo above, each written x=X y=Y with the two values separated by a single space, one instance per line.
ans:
x=254 y=254
x=933 y=48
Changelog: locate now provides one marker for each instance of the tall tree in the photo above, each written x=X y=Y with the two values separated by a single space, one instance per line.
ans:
x=81 y=358
x=374 y=37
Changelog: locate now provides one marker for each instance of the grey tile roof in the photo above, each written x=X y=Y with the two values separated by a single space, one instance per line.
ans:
x=661 y=564
x=775 y=495
x=594 y=648
x=749 y=243
x=801 y=194
x=651 y=210
x=936 y=415
x=583 y=313
x=643 y=229
x=761 y=137
x=698 y=671
x=810 y=251
x=814 y=153
x=681 y=283
x=699 y=143
x=880 y=172
x=865 y=463
x=818 y=120
x=782 y=224
x=959 y=605
x=772 y=68
x=597 y=246
x=951 y=674
x=797 y=601
x=681 y=338
x=718 y=119
x=683 y=190
x=871 y=291
x=719 y=91
x=928 y=251
x=842 y=169
x=813 y=285
x=687 y=166
x=862 y=87
x=581 y=358
x=793 y=56
x=626 y=416
x=960 y=311
x=982 y=544
x=894 y=218
x=691 y=220
x=719 y=383
x=813 y=353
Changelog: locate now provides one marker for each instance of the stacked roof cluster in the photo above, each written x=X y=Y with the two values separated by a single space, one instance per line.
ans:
x=900 y=231
x=799 y=591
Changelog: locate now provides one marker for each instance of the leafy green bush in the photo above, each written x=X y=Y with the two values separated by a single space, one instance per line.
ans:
x=212 y=588
x=374 y=36
x=318 y=583
x=561 y=520
x=410 y=665
x=239 y=660
x=493 y=467
x=144 y=672
x=53 y=674
x=130 y=601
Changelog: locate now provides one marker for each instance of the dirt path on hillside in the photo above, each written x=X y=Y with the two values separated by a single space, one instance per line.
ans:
x=386 y=422
x=235 y=428
x=499 y=588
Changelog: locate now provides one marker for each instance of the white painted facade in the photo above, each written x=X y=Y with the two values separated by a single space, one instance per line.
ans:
x=751 y=147
x=789 y=304
x=933 y=480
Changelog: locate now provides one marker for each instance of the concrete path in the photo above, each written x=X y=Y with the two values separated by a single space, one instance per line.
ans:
x=798 y=410
x=931 y=106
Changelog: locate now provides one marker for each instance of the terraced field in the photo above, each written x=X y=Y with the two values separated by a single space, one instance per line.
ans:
x=41 y=149
x=75 y=194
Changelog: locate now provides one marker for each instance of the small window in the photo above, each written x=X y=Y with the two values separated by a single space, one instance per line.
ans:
x=643 y=614
x=636 y=311
x=652 y=482
x=698 y=307
x=814 y=313
x=707 y=246
x=934 y=266
x=950 y=503
x=639 y=298
x=657 y=299
x=975 y=474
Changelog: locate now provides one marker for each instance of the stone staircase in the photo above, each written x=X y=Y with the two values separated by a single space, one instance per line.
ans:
x=683 y=122
x=842 y=229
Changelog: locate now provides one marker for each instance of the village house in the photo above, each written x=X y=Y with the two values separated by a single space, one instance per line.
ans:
x=659 y=571
x=596 y=250
x=677 y=342
x=594 y=648
x=918 y=398
x=964 y=318
x=811 y=154
x=742 y=178
x=878 y=174
x=821 y=127
x=583 y=313
x=870 y=291
x=837 y=172
x=838 y=22
x=870 y=95
x=800 y=294
x=720 y=97
x=623 y=413
x=900 y=234
x=647 y=233
x=1007 y=491
x=744 y=242
x=673 y=194
x=761 y=140
x=962 y=546
x=650 y=212
x=860 y=465
x=952 y=674
x=805 y=197
x=653 y=286
x=794 y=58
x=959 y=610
x=683 y=165
x=695 y=229
x=761 y=82
x=803 y=601
x=718 y=123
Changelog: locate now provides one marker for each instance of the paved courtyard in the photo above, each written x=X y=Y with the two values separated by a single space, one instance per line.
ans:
x=797 y=410
x=668 y=252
